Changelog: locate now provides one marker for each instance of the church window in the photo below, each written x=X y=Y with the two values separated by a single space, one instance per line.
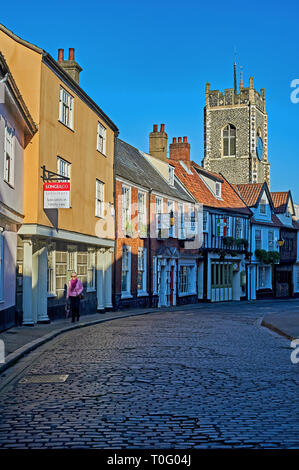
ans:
x=229 y=141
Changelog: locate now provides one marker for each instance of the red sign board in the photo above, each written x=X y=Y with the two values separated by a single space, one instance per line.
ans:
x=57 y=195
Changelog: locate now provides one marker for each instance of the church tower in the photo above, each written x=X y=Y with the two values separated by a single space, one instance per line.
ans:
x=236 y=133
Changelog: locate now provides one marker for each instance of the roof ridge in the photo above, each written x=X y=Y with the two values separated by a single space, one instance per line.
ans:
x=20 y=40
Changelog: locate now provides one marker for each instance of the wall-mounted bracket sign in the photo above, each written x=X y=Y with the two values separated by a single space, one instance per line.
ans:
x=57 y=195
x=56 y=190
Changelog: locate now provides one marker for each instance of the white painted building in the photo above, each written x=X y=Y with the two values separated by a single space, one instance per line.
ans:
x=16 y=130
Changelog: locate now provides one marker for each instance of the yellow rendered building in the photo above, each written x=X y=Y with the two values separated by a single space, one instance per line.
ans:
x=75 y=140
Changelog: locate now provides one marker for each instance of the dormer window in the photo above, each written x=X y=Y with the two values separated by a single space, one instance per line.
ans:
x=218 y=189
x=171 y=175
x=263 y=207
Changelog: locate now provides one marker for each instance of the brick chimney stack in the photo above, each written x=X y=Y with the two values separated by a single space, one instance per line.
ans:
x=179 y=150
x=158 y=143
x=70 y=66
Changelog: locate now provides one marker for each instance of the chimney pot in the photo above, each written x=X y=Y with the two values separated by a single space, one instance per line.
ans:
x=60 y=55
x=180 y=151
x=162 y=128
x=71 y=53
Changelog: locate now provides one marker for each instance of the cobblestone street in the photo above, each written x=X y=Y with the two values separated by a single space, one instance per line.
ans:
x=206 y=377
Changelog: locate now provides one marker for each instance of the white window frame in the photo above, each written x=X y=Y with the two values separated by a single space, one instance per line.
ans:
x=91 y=270
x=126 y=208
x=51 y=278
x=181 y=221
x=191 y=279
x=100 y=198
x=271 y=244
x=101 y=138
x=266 y=284
x=171 y=175
x=126 y=266
x=63 y=168
x=258 y=239
x=192 y=220
x=159 y=210
x=171 y=231
x=141 y=266
x=70 y=268
x=263 y=207
x=218 y=189
x=239 y=227
x=9 y=155
x=141 y=208
x=66 y=108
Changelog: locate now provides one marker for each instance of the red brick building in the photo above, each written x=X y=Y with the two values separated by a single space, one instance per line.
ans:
x=155 y=218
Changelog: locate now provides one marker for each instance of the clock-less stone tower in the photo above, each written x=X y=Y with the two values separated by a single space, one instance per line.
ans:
x=236 y=134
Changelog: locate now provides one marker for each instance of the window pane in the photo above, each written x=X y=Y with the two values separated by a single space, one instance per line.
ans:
x=225 y=147
x=232 y=146
x=232 y=130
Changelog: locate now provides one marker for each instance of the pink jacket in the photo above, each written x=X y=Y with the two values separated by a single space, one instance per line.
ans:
x=77 y=291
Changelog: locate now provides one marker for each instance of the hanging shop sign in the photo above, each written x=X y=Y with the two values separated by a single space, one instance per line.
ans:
x=57 y=195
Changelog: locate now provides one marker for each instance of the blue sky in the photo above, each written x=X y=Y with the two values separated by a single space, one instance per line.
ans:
x=147 y=62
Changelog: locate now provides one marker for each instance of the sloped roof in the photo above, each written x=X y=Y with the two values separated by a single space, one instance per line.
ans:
x=275 y=222
x=280 y=201
x=131 y=165
x=50 y=61
x=230 y=200
x=250 y=192
x=8 y=77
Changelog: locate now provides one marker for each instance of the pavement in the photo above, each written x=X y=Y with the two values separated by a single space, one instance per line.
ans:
x=21 y=340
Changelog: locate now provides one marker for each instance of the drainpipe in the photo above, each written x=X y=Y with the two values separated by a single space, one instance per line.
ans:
x=115 y=229
x=150 y=284
x=249 y=269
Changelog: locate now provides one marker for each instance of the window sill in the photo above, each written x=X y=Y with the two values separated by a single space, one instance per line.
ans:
x=126 y=295
x=65 y=125
x=103 y=154
x=51 y=296
x=142 y=293
x=91 y=290
x=186 y=294
x=9 y=184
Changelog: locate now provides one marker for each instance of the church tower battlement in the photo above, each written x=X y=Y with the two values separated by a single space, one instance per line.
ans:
x=236 y=133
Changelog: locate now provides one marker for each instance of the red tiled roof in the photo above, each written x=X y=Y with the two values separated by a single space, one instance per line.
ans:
x=250 y=192
x=230 y=200
x=280 y=200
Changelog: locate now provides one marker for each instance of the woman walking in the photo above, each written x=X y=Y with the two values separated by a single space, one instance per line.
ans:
x=74 y=292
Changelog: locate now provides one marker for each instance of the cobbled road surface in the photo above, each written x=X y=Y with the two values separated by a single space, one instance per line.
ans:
x=204 y=377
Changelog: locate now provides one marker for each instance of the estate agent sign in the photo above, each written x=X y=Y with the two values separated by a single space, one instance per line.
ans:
x=57 y=195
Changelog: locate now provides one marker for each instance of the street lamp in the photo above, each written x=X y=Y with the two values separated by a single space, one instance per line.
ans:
x=280 y=242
